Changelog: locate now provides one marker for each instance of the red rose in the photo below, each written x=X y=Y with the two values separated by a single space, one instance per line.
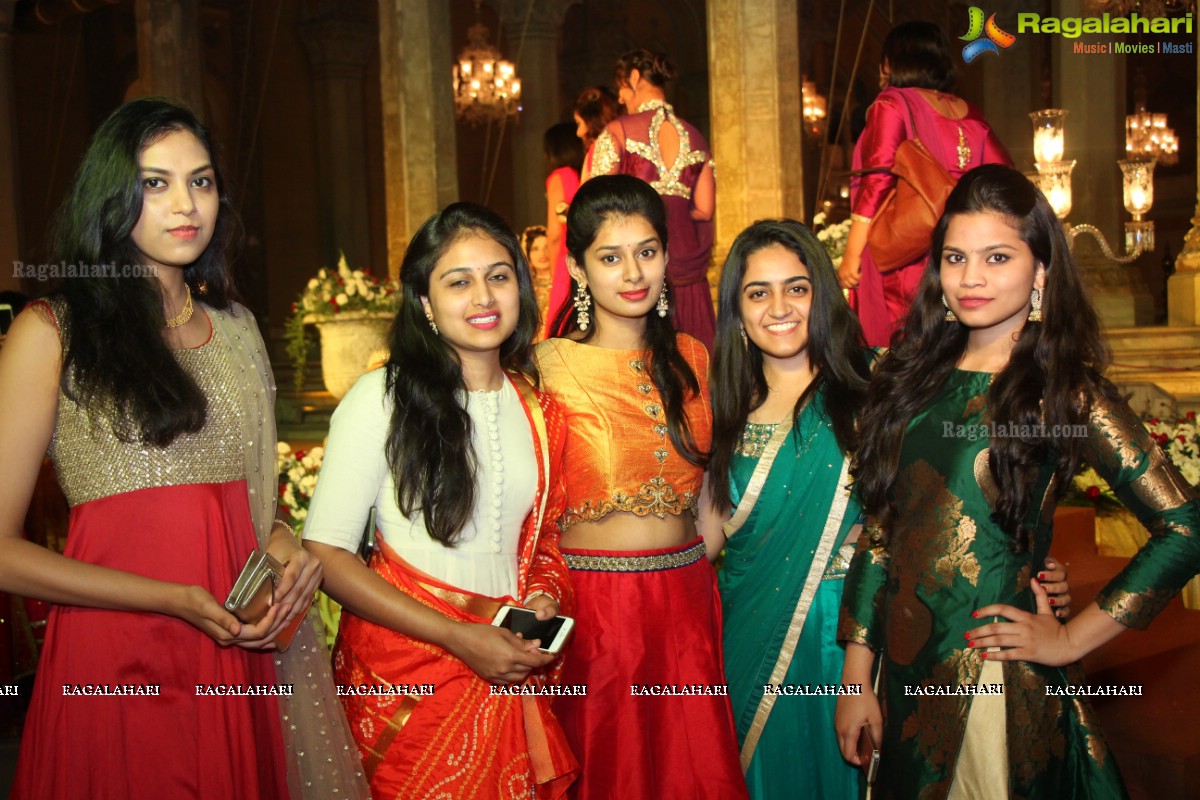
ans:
x=299 y=454
x=1191 y=415
x=282 y=489
x=1153 y=420
x=1093 y=492
x=1182 y=439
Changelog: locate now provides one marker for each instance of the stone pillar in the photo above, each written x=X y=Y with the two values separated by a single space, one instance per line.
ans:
x=170 y=54
x=1183 y=288
x=338 y=49
x=533 y=47
x=419 y=158
x=1092 y=90
x=757 y=136
x=10 y=219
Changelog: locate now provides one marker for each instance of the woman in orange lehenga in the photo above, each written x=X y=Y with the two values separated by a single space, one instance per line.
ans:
x=459 y=453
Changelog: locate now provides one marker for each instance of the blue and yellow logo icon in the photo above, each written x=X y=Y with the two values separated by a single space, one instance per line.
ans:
x=996 y=40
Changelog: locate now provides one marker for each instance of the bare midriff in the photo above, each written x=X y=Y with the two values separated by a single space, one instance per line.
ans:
x=622 y=530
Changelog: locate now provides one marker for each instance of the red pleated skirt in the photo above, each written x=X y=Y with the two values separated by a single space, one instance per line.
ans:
x=638 y=630
x=177 y=744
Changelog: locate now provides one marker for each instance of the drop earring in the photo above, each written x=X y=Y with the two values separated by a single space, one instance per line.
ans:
x=949 y=314
x=662 y=302
x=583 y=301
x=745 y=338
x=432 y=324
x=1035 y=305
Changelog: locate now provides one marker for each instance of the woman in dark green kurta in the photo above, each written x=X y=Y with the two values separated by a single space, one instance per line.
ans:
x=961 y=507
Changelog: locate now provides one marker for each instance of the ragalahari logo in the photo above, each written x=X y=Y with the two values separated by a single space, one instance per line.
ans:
x=996 y=40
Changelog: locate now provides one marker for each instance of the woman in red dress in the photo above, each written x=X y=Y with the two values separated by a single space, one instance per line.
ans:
x=656 y=721
x=564 y=153
x=150 y=388
x=916 y=73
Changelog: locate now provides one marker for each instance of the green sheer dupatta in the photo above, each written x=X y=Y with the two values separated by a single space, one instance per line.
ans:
x=775 y=561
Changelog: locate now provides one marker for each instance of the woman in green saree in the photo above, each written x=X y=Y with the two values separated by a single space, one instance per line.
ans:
x=789 y=374
x=975 y=422
x=789 y=378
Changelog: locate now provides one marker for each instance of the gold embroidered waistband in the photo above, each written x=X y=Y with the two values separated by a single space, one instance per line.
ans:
x=655 y=496
x=635 y=563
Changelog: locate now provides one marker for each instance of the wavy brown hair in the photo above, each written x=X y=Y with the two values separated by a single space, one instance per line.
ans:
x=1051 y=377
x=835 y=349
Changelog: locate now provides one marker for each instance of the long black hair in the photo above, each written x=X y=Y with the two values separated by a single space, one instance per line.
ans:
x=614 y=197
x=1053 y=373
x=115 y=352
x=429 y=448
x=835 y=348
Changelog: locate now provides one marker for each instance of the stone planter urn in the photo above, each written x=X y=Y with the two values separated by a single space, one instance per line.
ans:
x=351 y=344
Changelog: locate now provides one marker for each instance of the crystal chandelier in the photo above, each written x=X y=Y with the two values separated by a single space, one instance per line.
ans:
x=812 y=108
x=486 y=87
x=1148 y=137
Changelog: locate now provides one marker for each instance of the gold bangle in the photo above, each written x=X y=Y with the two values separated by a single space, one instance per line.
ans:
x=285 y=525
x=860 y=218
x=539 y=593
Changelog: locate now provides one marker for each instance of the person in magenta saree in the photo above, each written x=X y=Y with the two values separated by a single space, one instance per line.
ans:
x=915 y=74
x=653 y=144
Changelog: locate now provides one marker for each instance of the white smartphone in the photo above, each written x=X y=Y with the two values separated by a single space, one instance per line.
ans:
x=553 y=633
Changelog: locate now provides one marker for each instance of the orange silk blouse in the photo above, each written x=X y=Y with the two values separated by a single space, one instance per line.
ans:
x=618 y=455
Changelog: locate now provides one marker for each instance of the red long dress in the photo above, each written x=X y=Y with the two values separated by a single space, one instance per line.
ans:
x=182 y=514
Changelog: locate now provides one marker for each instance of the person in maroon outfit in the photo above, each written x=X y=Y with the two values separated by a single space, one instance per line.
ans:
x=653 y=144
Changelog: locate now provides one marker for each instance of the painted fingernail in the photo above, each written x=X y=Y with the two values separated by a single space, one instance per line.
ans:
x=970 y=644
x=967 y=635
x=983 y=655
x=975 y=614
x=1041 y=576
x=1050 y=600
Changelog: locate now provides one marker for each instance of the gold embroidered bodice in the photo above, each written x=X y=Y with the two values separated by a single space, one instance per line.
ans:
x=666 y=180
x=93 y=463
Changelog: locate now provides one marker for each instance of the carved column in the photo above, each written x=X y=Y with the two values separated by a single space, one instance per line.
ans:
x=420 y=166
x=757 y=137
x=1183 y=288
x=170 y=54
x=338 y=49
x=537 y=67
x=10 y=220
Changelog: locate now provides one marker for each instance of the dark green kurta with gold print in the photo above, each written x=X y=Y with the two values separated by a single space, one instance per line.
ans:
x=911 y=599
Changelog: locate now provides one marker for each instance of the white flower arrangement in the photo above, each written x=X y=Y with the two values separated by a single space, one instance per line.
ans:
x=1180 y=440
x=330 y=294
x=832 y=237
x=298 y=472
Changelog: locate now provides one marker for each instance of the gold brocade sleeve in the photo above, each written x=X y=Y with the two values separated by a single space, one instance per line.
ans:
x=1121 y=450
x=862 y=598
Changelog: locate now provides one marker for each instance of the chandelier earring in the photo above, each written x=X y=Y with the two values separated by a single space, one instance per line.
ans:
x=583 y=301
x=1035 y=305
x=662 y=302
x=949 y=314
x=432 y=324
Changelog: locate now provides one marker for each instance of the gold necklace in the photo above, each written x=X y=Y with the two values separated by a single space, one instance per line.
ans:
x=183 y=316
